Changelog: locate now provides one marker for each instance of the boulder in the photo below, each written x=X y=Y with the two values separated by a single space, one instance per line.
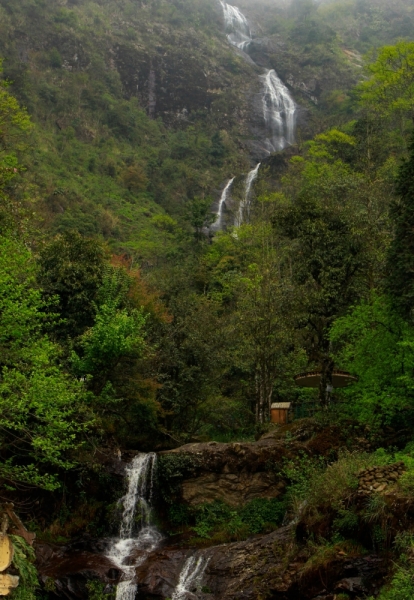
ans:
x=232 y=473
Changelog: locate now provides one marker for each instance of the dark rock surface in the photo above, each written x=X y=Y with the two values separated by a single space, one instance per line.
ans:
x=236 y=473
x=265 y=566
x=71 y=567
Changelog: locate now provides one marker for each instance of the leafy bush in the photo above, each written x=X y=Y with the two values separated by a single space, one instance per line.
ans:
x=401 y=586
x=218 y=521
x=23 y=559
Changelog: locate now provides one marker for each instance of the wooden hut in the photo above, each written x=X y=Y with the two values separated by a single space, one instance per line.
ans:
x=280 y=412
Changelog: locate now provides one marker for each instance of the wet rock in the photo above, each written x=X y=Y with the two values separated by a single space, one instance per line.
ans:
x=71 y=569
x=230 y=488
x=270 y=566
x=238 y=570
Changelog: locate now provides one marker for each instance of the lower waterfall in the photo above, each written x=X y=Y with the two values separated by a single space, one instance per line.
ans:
x=218 y=223
x=129 y=550
x=244 y=205
x=191 y=576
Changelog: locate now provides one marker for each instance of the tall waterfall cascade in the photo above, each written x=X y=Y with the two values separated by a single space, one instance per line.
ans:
x=191 y=577
x=279 y=108
x=131 y=548
x=218 y=223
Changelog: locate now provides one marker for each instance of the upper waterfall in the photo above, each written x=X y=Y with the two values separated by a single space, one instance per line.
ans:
x=238 y=30
x=278 y=112
x=279 y=108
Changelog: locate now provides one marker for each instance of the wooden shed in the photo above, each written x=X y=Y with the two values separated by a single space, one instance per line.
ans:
x=280 y=412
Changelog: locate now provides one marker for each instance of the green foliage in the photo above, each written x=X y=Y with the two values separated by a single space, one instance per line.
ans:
x=172 y=468
x=377 y=347
x=401 y=586
x=71 y=270
x=114 y=334
x=300 y=473
x=401 y=252
x=23 y=559
x=346 y=522
x=96 y=591
x=217 y=520
x=390 y=88
x=42 y=408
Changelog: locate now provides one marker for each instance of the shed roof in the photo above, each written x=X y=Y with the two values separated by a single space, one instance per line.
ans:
x=285 y=405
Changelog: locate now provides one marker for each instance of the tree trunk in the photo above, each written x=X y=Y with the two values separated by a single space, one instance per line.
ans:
x=264 y=393
x=325 y=384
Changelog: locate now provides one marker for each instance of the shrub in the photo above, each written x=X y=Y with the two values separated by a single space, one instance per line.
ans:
x=401 y=586
x=218 y=521
x=337 y=484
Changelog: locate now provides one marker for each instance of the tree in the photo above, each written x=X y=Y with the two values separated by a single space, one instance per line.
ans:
x=14 y=127
x=116 y=332
x=390 y=88
x=326 y=249
x=42 y=409
x=400 y=262
x=72 y=269
x=377 y=345
x=200 y=215
x=266 y=339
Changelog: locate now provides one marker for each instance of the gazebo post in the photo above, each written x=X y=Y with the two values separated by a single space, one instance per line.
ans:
x=326 y=380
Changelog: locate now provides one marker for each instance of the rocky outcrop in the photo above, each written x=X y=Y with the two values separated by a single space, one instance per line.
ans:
x=271 y=566
x=66 y=570
x=236 y=473
x=232 y=473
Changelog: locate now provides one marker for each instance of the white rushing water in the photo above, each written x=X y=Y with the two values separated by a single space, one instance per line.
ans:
x=129 y=550
x=218 y=223
x=279 y=108
x=244 y=206
x=278 y=111
x=191 y=577
x=237 y=27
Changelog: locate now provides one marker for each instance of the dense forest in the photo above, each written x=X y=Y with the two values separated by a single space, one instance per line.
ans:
x=130 y=324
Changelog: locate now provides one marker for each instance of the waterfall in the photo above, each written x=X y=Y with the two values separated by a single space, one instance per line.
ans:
x=218 y=223
x=191 y=576
x=127 y=552
x=237 y=26
x=278 y=112
x=278 y=107
x=245 y=203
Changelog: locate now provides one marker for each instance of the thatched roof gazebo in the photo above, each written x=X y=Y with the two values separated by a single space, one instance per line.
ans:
x=311 y=379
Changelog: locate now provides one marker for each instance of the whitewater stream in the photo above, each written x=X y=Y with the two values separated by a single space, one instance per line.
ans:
x=137 y=535
x=279 y=112
x=191 y=577
x=218 y=223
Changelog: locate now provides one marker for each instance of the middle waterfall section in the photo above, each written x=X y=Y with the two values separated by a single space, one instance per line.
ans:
x=137 y=535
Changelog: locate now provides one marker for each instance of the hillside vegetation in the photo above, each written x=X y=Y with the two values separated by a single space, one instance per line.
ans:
x=125 y=326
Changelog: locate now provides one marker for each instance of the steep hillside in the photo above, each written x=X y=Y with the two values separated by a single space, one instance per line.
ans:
x=137 y=108
x=140 y=107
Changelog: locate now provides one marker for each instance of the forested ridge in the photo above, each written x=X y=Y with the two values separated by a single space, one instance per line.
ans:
x=128 y=324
